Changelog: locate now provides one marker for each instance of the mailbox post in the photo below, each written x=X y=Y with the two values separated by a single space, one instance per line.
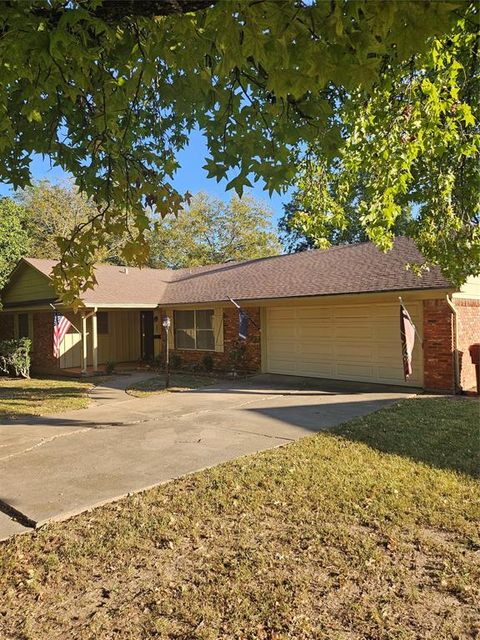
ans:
x=166 y=326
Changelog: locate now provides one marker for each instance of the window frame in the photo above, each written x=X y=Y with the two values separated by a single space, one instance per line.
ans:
x=195 y=330
x=29 y=331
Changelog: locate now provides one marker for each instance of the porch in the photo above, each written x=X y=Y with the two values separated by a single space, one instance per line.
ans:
x=121 y=368
x=100 y=338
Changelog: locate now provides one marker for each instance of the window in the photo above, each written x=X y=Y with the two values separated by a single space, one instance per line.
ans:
x=102 y=322
x=194 y=330
x=23 y=325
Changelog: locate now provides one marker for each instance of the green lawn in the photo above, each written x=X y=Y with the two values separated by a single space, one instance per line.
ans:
x=41 y=396
x=370 y=531
x=178 y=382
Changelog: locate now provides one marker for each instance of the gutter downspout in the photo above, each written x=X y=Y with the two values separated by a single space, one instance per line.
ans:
x=456 y=355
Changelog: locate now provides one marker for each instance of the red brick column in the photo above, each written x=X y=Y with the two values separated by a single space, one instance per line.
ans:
x=253 y=354
x=438 y=346
x=468 y=318
x=6 y=326
x=42 y=347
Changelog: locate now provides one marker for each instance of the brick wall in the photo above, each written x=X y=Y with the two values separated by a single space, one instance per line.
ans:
x=42 y=350
x=468 y=334
x=6 y=326
x=438 y=346
x=222 y=361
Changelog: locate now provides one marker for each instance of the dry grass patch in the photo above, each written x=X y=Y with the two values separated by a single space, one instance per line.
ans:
x=178 y=382
x=41 y=396
x=346 y=535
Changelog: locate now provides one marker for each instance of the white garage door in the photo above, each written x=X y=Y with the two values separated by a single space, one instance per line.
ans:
x=355 y=342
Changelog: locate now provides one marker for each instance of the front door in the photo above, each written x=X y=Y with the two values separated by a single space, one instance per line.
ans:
x=146 y=329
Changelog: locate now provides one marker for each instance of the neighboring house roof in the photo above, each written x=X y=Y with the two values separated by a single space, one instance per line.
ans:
x=356 y=268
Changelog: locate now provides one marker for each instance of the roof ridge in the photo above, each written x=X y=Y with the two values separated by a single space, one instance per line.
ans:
x=212 y=265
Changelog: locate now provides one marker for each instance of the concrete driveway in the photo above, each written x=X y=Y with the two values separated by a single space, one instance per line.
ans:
x=55 y=466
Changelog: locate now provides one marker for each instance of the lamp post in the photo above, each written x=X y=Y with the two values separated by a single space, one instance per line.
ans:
x=166 y=326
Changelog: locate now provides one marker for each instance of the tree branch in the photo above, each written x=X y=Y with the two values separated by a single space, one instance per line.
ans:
x=114 y=11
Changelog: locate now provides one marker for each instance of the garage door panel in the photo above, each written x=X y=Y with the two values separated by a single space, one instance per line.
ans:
x=353 y=371
x=311 y=333
x=316 y=359
x=353 y=351
x=314 y=315
x=313 y=371
x=281 y=334
x=347 y=343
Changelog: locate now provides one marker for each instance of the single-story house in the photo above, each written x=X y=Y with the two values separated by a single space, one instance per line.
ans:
x=323 y=313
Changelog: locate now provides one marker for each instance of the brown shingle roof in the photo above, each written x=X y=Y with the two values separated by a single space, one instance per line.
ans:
x=358 y=268
x=119 y=285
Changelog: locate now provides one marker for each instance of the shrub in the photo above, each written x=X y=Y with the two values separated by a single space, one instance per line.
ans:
x=207 y=363
x=176 y=361
x=110 y=366
x=237 y=355
x=15 y=357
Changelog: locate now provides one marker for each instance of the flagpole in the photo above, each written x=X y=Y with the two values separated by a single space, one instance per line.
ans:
x=235 y=304
x=414 y=325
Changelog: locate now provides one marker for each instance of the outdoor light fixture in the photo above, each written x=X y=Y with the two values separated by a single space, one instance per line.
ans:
x=166 y=322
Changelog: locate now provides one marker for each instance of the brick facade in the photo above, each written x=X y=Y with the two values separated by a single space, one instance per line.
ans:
x=6 y=326
x=468 y=318
x=250 y=360
x=42 y=348
x=42 y=340
x=438 y=346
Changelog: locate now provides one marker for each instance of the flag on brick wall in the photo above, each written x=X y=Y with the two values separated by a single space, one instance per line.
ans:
x=407 y=335
x=242 y=324
x=61 y=325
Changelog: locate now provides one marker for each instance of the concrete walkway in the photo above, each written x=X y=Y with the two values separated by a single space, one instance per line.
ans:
x=55 y=466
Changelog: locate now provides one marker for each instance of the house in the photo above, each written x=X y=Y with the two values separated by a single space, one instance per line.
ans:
x=324 y=313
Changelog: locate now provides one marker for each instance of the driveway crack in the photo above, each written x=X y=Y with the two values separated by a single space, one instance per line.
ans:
x=41 y=443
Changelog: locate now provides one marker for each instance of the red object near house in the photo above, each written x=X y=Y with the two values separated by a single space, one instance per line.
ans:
x=475 y=357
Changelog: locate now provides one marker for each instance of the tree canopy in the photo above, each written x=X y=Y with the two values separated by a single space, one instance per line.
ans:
x=14 y=239
x=109 y=90
x=211 y=231
x=413 y=141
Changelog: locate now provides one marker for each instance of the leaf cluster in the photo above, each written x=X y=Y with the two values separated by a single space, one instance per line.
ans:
x=412 y=142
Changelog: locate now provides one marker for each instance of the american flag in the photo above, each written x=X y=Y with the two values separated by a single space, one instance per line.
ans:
x=60 y=327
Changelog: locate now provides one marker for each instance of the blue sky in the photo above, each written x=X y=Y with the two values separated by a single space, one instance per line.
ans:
x=191 y=177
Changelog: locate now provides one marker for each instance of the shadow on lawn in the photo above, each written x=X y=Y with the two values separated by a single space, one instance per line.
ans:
x=440 y=432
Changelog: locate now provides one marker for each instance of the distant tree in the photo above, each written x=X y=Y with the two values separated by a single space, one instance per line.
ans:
x=54 y=212
x=14 y=240
x=211 y=231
